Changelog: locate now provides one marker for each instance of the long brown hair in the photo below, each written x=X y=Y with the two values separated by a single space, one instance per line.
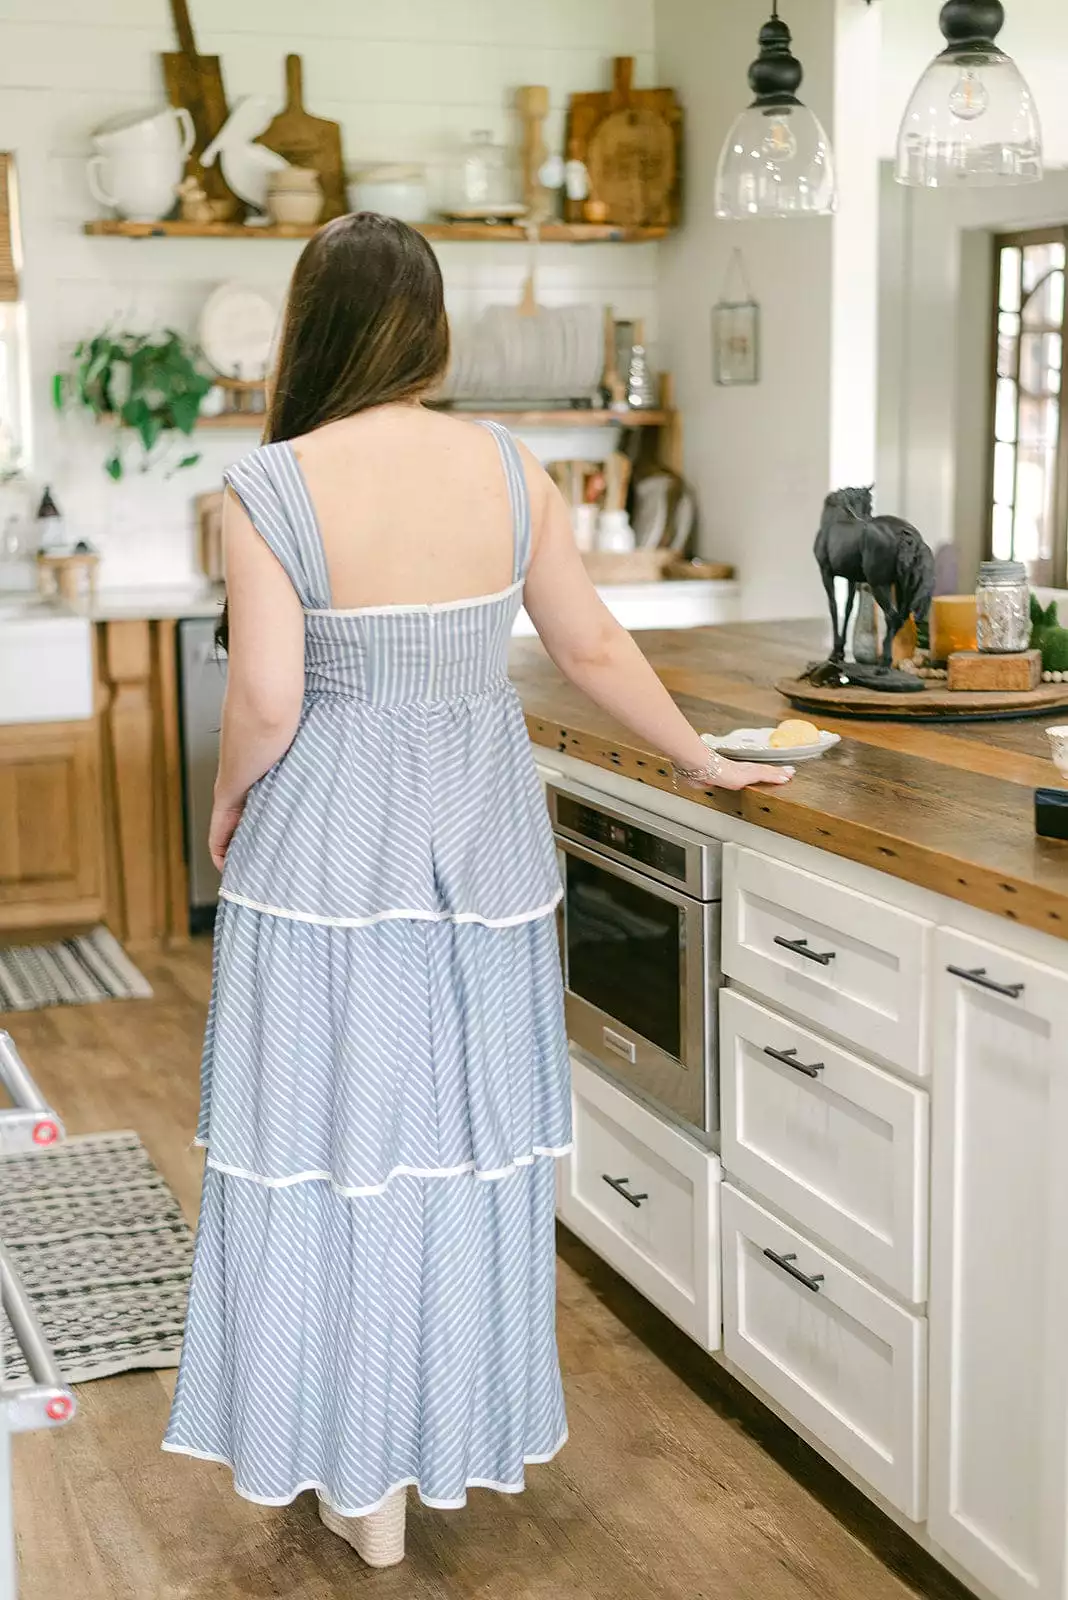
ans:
x=364 y=326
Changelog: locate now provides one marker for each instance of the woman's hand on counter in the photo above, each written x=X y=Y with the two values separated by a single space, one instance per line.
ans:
x=740 y=774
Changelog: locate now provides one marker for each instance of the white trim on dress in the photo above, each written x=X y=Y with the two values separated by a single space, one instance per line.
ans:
x=392 y=916
x=368 y=1511
x=415 y=608
x=361 y=1191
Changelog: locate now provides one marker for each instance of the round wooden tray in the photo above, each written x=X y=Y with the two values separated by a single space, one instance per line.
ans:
x=934 y=703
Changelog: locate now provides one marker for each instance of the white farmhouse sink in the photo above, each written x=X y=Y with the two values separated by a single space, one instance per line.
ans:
x=46 y=667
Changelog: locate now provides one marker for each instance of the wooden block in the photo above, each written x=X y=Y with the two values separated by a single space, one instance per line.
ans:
x=974 y=671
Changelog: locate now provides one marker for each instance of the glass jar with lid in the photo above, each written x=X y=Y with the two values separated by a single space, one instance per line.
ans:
x=1003 y=607
x=486 y=181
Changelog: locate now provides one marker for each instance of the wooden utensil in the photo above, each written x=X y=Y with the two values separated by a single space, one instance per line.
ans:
x=532 y=103
x=308 y=141
x=196 y=82
x=631 y=142
x=617 y=481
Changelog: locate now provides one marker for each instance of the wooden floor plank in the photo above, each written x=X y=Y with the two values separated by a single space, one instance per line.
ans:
x=667 y=1490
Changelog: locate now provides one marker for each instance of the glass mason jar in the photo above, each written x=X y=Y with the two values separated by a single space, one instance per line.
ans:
x=486 y=178
x=1003 y=607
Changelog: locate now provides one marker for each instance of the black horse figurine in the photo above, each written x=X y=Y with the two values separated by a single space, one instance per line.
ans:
x=886 y=553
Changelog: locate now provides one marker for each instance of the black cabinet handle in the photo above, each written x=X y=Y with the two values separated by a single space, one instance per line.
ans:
x=618 y=1185
x=1011 y=991
x=789 y=1059
x=787 y=1265
x=800 y=947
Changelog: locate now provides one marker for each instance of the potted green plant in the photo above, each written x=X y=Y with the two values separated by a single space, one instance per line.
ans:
x=149 y=384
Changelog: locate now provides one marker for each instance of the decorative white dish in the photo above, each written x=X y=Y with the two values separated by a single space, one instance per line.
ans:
x=237 y=329
x=751 y=744
x=506 y=211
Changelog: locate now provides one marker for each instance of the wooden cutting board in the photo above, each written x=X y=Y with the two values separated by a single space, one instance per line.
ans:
x=195 y=81
x=307 y=141
x=631 y=143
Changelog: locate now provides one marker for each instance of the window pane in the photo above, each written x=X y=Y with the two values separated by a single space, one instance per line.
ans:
x=1040 y=363
x=1009 y=282
x=1038 y=259
x=1004 y=474
x=1008 y=339
x=1005 y=410
x=1045 y=307
x=1033 y=521
x=1002 y=540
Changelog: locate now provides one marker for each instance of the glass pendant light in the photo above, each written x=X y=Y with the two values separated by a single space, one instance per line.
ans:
x=777 y=160
x=971 y=121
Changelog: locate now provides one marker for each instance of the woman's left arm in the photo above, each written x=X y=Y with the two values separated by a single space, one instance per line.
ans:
x=265 y=671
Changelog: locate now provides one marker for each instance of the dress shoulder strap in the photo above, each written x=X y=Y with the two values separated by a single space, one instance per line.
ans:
x=271 y=487
x=518 y=497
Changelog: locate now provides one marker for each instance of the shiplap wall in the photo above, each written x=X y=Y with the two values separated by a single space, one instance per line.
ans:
x=407 y=80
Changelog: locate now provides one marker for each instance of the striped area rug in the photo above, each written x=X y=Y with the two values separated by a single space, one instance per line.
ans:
x=74 y=972
x=100 y=1243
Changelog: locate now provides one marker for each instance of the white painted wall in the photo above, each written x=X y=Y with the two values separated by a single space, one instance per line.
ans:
x=1035 y=35
x=934 y=350
x=407 y=81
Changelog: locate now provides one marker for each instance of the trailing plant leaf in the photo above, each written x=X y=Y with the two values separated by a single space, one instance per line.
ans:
x=151 y=384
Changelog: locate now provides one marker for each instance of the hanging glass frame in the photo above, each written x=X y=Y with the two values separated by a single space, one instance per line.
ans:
x=736 y=330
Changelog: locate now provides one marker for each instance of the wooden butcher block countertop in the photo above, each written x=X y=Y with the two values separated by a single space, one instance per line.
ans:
x=949 y=808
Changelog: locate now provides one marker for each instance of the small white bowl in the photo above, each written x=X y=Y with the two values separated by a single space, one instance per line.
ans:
x=1058 y=744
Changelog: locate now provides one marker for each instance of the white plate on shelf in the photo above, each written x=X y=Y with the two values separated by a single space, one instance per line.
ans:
x=237 y=329
x=751 y=744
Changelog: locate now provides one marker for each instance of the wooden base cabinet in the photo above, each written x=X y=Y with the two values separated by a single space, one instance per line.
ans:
x=998 y=1468
x=50 y=841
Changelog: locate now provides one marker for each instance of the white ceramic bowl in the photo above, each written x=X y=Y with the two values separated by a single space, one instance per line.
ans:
x=1058 y=744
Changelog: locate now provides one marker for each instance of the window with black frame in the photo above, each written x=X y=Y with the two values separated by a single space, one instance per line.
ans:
x=1029 y=426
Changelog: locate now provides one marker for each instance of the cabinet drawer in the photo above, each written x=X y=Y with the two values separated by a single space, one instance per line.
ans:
x=840 y=1358
x=840 y=1146
x=646 y=1198
x=851 y=964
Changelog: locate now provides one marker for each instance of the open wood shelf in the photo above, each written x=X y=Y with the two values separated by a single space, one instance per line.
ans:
x=579 y=418
x=458 y=232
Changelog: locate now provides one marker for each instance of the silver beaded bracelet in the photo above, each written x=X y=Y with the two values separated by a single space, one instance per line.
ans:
x=698 y=777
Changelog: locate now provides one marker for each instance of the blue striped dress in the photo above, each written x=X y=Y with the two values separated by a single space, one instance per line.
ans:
x=385 y=1073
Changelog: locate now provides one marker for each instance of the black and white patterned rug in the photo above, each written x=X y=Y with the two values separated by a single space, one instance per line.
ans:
x=100 y=1243
x=75 y=972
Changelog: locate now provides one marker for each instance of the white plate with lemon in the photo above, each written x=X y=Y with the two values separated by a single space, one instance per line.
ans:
x=793 y=740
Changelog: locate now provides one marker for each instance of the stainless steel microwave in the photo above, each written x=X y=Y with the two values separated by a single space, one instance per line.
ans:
x=639 y=939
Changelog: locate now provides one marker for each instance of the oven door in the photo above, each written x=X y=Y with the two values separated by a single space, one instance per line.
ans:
x=641 y=970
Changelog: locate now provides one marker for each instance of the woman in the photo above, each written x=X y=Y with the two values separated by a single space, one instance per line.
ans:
x=385 y=1075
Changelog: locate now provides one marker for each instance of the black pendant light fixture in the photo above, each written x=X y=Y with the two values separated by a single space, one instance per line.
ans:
x=777 y=160
x=971 y=121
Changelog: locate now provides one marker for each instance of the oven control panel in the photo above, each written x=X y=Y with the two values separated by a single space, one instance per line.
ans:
x=622 y=838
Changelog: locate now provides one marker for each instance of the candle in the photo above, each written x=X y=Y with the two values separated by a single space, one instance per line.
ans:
x=953 y=623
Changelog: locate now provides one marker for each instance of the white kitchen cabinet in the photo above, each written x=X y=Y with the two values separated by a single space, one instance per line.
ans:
x=838 y=1145
x=646 y=1198
x=851 y=964
x=999 y=1269
x=842 y=1359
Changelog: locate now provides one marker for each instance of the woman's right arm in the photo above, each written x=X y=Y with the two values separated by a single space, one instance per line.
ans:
x=598 y=656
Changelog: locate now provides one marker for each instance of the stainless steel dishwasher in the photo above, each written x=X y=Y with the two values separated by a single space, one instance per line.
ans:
x=202 y=684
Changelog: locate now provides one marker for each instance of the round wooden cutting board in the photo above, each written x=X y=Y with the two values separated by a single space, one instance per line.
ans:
x=631 y=162
x=935 y=702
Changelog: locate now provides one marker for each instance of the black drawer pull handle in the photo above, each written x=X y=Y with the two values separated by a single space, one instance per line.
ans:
x=800 y=947
x=618 y=1185
x=789 y=1059
x=787 y=1265
x=1011 y=991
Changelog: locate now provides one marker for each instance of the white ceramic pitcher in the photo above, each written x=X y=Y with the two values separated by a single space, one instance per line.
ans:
x=139 y=163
